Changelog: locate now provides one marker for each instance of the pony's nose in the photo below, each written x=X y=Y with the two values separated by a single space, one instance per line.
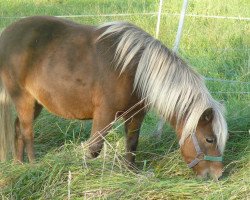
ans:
x=203 y=175
x=216 y=176
x=219 y=178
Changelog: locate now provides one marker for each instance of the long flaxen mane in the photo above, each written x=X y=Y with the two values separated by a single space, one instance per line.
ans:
x=165 y=80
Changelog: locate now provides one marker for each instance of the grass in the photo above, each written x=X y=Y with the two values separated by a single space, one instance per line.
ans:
x=216 y=48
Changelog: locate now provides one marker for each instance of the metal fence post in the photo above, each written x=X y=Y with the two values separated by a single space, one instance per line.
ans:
x=160 y=124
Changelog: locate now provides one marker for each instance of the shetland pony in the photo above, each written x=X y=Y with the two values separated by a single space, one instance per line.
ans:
x=86 y=72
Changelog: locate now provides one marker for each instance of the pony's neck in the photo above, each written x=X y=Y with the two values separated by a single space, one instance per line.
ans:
x=177 y=127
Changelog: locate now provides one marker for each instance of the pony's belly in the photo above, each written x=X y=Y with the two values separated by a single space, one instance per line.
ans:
x=69 y=112
x=73 y=105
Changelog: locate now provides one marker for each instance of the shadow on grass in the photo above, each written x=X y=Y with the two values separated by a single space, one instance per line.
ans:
x=52 y=132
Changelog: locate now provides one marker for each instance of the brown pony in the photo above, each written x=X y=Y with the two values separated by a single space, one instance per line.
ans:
x=86 y=72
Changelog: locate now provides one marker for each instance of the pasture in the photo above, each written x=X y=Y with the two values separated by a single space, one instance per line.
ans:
x=216 y=48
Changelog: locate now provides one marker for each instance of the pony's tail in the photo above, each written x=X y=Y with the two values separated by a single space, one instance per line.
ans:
x=7 y=133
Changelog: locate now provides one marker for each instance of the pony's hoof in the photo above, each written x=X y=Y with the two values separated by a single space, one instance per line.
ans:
x=89 y=151
x=17 y=162
x=88 y=154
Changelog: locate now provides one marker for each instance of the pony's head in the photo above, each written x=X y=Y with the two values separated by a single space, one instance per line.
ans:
x=202 y=150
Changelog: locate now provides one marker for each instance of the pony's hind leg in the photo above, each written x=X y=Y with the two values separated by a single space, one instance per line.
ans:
x=19 y=144
x=27 y=109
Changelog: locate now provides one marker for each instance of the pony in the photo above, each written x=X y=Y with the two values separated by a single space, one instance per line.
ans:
x=96 y=72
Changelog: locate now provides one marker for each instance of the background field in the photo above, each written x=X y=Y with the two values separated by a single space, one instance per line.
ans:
x=217 y=48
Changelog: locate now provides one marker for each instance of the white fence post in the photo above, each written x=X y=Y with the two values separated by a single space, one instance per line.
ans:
x=158 y=19
x=180 y=27
x=160 y=124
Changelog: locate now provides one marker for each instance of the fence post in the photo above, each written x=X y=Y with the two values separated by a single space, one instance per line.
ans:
x=160 y=124
x=158 y=19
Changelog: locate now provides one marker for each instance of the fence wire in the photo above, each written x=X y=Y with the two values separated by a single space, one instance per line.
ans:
x=143 y=13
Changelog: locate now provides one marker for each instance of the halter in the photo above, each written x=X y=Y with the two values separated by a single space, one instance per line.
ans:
x=200 y=154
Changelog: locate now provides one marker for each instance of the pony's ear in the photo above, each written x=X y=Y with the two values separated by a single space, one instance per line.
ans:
x=207 y=116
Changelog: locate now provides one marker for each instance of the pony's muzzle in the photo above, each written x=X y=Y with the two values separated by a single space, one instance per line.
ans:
x=216 y=172
x=213 y=171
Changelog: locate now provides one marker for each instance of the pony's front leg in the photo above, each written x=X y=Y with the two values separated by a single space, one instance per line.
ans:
x=132 y=129
x=102 y=122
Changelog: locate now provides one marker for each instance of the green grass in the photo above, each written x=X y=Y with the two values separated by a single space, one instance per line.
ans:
x=215 y=47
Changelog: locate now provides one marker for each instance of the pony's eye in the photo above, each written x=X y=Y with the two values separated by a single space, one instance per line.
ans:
x=210 y=140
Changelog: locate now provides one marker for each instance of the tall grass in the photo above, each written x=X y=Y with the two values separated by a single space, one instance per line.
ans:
x=215 y=47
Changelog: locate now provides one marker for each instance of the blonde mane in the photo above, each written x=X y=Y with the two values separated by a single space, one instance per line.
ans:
x=168 y=83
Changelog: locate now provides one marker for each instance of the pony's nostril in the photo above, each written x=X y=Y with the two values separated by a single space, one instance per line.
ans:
x=216 y=177
x=220 y=177
x=204 y=175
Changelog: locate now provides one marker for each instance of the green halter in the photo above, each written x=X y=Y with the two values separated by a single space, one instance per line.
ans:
x=213 y=158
